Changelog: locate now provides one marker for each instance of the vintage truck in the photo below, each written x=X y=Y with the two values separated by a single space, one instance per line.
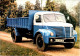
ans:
x=44 y=27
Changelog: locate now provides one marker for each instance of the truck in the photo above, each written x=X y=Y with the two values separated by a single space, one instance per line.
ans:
x=44 y=28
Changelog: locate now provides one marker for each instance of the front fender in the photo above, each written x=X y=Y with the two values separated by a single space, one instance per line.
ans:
x=75 y=35
x=46 y=34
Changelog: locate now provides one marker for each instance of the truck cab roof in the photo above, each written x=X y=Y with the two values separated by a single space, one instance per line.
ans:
x=46 y=12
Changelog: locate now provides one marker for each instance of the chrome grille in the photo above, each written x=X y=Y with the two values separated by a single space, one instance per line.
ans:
x=67 y=31
x=63 y=31
x=59 y=32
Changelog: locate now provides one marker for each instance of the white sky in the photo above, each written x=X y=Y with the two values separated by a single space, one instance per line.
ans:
x=69 y=3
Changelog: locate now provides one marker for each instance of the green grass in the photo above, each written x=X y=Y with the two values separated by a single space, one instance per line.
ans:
x=78 y=38
x=7 y=48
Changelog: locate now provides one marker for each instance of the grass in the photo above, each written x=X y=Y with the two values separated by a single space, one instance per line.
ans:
x=7 y=48
x=78 y=37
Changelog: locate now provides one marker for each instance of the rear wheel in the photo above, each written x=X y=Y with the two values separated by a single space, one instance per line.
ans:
x=16 y=38
x=69 y=45
x=40 y=43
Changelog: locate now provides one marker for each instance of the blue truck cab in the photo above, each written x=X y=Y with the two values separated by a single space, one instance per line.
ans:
x=45 y=28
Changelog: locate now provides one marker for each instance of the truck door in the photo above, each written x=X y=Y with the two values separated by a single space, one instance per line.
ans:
x=37 y=23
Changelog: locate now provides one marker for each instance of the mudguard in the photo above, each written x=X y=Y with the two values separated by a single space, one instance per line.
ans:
x=46 y=34
x=75 y=35
x=16 y=32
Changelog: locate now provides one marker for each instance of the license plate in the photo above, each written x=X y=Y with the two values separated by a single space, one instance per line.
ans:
x=59 y=40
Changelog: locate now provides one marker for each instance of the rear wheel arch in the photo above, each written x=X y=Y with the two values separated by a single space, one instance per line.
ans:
x=14 y=37
x=37 y=33
x=12 y=29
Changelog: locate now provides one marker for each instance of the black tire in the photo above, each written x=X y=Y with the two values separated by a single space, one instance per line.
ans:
x=40 y=43
x=16 y=38
x=69 y=45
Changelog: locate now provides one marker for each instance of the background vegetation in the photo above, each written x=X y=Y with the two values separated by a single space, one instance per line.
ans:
x=77 y=44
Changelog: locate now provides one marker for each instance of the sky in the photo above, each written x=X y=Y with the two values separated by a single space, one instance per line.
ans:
x=69 y=3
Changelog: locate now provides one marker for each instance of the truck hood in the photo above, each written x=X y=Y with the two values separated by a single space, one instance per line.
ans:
x=59 y=24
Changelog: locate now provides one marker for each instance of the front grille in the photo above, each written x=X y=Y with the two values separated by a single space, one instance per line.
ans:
x=63 y=31
x=67 y=31
x=59 y=32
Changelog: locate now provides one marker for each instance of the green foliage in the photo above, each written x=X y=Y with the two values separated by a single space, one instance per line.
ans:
x=77 y=9
x=37 y=5
x=28 y=6
x=4 y=8
x=20 y=10
x=1 y=22
x=65 y=12
x=7 y=48
x=72 y=21
x=49 y=6
x=78 y=37
x=13 y=10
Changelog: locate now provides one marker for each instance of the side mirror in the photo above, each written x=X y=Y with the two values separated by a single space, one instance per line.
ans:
x=68 y=18
x=37 y=16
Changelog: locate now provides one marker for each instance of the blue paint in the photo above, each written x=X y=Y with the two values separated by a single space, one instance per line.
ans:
x=28 y=21
x=17 y=22
x=46 y=30
x=21 y=22
x=75 y=37
x=60 y=31
x=16 y=32
x=46 y=34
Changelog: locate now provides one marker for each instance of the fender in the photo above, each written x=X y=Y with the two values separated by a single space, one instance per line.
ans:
x=16 y=32
x=75 y=35
x=46 y=34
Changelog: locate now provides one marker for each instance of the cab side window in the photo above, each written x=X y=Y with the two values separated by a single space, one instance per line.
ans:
x=38 y=19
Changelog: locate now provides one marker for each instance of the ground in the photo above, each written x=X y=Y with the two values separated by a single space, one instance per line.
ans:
x=57 y=50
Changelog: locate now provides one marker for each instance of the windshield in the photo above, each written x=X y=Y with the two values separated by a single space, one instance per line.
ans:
x=54 y=18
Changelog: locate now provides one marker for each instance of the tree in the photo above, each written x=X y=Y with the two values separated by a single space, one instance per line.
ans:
x=37 y=5
x=20 y=10
x=4 y=8
x=72 y=20
x=13 y=10
x=48 y=1
x=49 y=6
x=77 y=9
x=63 y=10
x=28 y=6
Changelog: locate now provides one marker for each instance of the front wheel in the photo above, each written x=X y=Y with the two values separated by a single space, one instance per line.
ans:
x=40 y=43
x=69 y=45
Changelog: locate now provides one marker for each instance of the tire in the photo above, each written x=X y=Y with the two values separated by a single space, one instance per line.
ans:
x=69 y=45
x=40 y=43
x=16 y=38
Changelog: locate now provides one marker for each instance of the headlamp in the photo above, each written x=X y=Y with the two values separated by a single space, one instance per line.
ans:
x=51 y=34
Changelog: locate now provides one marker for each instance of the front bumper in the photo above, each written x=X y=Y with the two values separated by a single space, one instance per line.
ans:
x=57 y=40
